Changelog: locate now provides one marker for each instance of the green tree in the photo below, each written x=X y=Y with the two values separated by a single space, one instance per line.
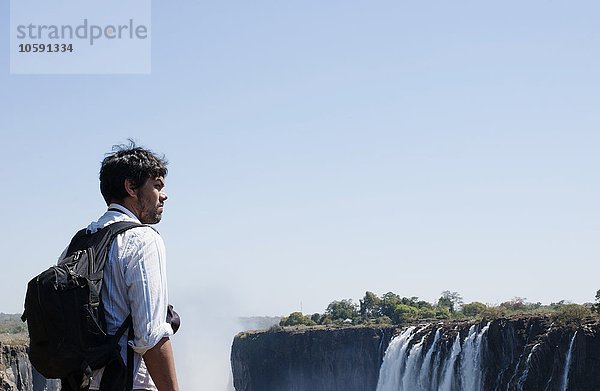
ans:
x=383 y=320
x=411 y=301
x=596 y=306
x=572 y=313
x=450 y=300
x=473 y=309
x=342 y=310
x=442 y=313
x=405 y=313
x=494 y=312
x=296 y=319
x=515 y=304
x=422 y=304
x=370 y=305
x=317 y=318
x=427 y=313
x=560 y=303
x=389 y=301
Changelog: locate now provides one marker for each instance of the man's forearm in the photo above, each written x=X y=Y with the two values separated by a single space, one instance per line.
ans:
x=161 y=365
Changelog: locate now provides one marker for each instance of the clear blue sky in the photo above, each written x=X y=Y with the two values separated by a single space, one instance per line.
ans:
x=322 y=149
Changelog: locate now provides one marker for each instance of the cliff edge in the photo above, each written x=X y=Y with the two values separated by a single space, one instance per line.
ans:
x=317 y=359
x=16 y=372
x=513 y=353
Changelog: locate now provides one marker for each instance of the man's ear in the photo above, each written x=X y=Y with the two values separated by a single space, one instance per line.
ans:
x=130 y=189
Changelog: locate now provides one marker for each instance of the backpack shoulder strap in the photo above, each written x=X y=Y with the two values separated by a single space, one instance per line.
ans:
x=106 y=236
x=119 y=227
x=84 y=238
x=78 y=236
x=98 y=244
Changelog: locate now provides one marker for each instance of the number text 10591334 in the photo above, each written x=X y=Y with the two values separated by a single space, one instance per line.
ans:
x=45 y=48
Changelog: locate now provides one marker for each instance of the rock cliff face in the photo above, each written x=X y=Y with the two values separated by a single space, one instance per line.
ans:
x=15 y=369
x=17 y=374
x=309 y=359
x=520 y=353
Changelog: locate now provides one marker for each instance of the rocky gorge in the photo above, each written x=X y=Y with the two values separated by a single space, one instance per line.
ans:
x=506 y=353
x=513 y=353
x=309 y=359
x=16 y=372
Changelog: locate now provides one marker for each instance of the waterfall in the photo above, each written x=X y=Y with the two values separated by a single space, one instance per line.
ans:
x=471 y=366
x=565 y=377
x=523 y=377
x=413 y=364
x=426 y=365
x=393 y=362
x=448 y=372
x=426 y=369
x=516 y=368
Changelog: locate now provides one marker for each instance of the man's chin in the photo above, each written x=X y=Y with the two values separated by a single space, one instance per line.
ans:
x=152 y=220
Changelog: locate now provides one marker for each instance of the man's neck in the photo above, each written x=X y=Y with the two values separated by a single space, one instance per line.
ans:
x=122 y=207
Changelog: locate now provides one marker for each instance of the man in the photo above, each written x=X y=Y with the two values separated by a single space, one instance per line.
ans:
x=132 y=181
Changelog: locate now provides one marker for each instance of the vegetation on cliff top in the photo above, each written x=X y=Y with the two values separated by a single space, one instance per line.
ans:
x=395 y=310
x=12 y=330
x=11 y=324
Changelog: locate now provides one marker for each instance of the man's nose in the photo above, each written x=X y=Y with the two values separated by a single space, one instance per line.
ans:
x=163 y=196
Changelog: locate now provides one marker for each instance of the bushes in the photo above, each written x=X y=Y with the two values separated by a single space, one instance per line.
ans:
x=394 y=309
x=342 y=310
x=572 y=313
x=372 y=309
x=427 y=313
x=297 y=319
x=473 y=309
x=493 y=312
x=383 y=320
x=11 y=324
x=442 y=313
x=405 y=313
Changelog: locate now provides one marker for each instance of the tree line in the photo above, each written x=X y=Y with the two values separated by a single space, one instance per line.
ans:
x=393 y=309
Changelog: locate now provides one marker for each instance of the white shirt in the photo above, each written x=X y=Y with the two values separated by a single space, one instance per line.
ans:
x=135 y=282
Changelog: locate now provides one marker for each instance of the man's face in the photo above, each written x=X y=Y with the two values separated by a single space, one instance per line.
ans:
x=150 y=200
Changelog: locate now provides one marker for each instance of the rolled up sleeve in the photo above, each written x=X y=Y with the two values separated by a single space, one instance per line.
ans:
x=146 y=280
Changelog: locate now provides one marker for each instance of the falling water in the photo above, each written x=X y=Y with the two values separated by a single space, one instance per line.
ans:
x=411 y=374
x=526 y=370
x=565 y=377
x=448 y=372
x=423 y=366
x=515 y=370
x=426 y=369
x=468 y=362
x=471 y=368
x=394 y=361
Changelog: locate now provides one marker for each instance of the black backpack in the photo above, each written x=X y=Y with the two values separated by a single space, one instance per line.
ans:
x=66 y=320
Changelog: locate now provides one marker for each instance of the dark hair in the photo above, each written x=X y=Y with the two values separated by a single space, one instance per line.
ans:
x=128 y=162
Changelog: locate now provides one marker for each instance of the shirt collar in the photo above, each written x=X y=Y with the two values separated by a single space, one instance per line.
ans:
x=123 y=209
